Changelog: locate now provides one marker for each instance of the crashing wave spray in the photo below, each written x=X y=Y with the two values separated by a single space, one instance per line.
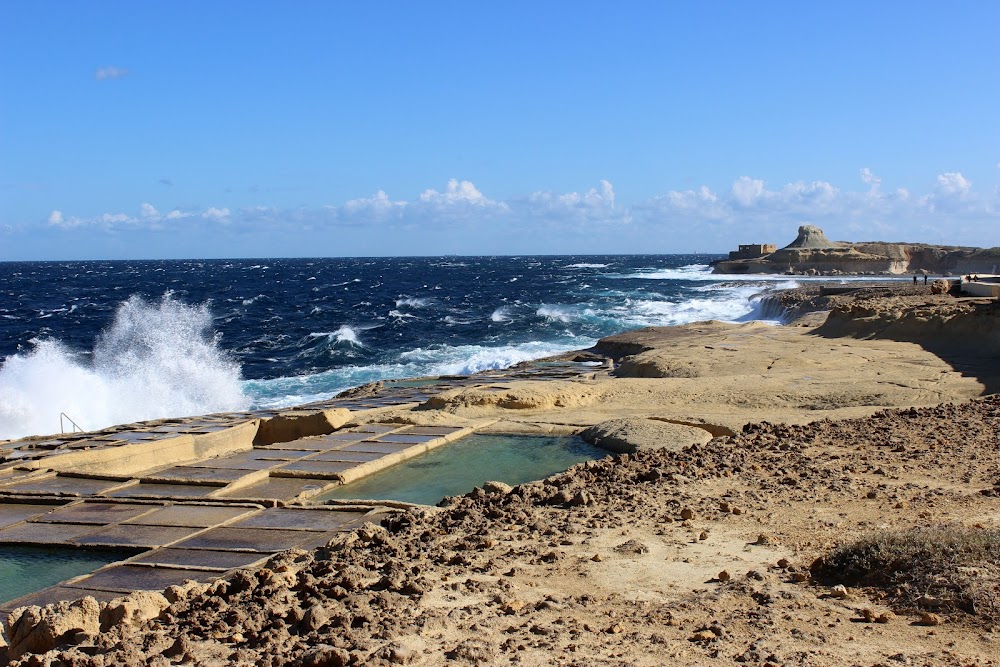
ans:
x=155 y=360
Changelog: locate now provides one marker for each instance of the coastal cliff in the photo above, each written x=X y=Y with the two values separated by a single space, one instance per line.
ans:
x=812 y=253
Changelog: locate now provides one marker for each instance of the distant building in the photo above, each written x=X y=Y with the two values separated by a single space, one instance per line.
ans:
x=753 y=251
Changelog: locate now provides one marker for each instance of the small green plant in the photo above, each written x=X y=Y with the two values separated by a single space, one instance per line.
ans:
x=950 y=568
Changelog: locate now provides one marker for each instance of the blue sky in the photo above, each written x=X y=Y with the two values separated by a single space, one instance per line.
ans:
x=218 y=129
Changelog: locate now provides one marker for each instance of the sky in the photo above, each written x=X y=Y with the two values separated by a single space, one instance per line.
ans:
x=186 y=129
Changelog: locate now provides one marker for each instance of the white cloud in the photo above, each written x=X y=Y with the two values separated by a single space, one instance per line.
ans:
x=953 y=183
x=596 y=204
x=110 y=72
x=700 y=218
x=213 y=213
x=868 y=177
x=746 y=190
x=377 y=208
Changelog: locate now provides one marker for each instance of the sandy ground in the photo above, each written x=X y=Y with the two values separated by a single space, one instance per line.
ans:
x=694 y=549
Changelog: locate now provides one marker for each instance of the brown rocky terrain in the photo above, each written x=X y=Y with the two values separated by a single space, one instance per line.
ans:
x=688 y=556
x=751 y=459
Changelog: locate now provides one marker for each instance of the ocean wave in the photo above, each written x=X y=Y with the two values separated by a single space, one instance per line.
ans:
x=688 y=272
x=502 y=314
x=346 y=334
x=584 y=265
x=420 y=362
x=413 y=302
x=155 y=360
x=565 y=314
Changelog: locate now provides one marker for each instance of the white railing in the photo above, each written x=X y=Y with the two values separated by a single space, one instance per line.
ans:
x=63 y=417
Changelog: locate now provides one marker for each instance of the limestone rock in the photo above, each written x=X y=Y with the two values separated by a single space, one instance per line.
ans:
x=496 y=488
x=811 y=236
x=296 y=424
x=40 y=629
x=134 y=609
x=633 y=434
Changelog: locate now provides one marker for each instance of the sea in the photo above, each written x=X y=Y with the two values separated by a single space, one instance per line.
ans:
x=111 y=342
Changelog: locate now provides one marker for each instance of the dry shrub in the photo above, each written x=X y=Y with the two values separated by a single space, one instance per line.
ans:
x=950 y=568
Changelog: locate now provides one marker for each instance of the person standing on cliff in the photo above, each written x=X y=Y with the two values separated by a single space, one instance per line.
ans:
x=914 y=280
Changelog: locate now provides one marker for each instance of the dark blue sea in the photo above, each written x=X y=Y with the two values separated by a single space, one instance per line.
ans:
x=109 y=342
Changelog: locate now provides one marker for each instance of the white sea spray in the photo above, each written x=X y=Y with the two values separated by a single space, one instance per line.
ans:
x=154 y=360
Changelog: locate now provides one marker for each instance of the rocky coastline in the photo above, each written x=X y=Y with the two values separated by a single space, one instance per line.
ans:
x=747 y=455
x=812 y=253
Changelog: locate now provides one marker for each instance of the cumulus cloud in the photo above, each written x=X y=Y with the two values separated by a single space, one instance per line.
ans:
x=953 y=183
x=379 y=207
x=847 y=214
x=595 y=204
x=457 y=192
x=110 y=72
x=746 y=191
x=700 y=217
x=214 y=213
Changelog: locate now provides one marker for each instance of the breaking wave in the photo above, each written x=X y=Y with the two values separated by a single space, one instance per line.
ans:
x=155 y=360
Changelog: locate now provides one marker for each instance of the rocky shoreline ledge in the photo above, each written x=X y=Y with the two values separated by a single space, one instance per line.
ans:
x=755 y=457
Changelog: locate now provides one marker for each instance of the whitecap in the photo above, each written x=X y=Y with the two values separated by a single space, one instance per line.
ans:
x=502 y=314
x=412 y=302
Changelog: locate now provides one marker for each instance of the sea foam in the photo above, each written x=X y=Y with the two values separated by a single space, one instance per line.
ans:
x=155 y=360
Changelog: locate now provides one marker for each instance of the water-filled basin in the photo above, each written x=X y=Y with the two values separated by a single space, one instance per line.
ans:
x=25 y=570
x=458 y=467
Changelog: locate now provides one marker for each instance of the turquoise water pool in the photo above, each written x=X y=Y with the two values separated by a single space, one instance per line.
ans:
x=25 y=570
x=457 y=468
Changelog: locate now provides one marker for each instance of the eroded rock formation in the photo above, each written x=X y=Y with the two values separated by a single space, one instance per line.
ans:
x=813 y=253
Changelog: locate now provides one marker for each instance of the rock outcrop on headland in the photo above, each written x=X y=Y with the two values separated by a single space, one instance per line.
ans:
x=812 y=253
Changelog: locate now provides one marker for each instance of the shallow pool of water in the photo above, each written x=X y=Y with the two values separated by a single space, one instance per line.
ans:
x=459 y=467
x=25 y=570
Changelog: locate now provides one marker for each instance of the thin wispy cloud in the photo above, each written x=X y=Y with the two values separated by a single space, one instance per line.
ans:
x=111 y=72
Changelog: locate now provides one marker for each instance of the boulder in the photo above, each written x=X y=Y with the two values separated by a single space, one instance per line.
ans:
x=40 y=629
x=134 y=609
x=631 y=434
